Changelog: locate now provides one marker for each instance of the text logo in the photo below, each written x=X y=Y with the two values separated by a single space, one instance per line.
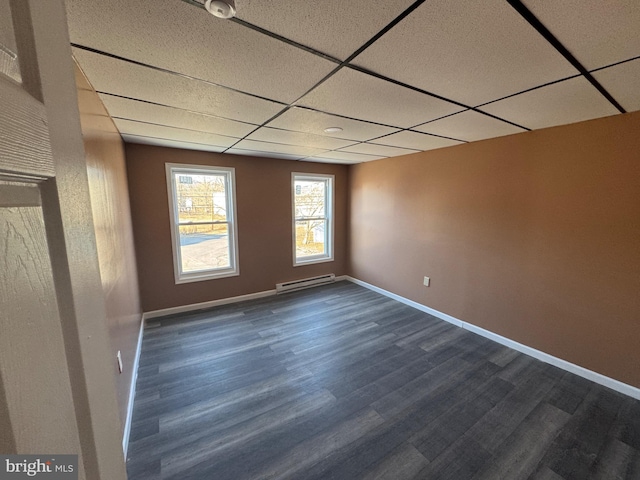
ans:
x=46 y=467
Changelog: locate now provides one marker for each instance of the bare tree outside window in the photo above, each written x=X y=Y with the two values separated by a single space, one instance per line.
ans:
x=312 y=205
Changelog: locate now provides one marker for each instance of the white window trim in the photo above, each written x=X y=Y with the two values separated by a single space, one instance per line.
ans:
x=329 y=207
x=234 y=269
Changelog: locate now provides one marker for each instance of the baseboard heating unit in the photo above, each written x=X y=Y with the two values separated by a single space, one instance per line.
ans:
x=304 y=283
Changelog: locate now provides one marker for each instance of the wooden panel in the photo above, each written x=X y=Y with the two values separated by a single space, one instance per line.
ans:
x=19 y=196
x=31 y=339
x=24 y=143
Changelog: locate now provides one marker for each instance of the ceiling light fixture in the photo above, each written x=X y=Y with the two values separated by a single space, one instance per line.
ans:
x=332 y=130
x=221 y=8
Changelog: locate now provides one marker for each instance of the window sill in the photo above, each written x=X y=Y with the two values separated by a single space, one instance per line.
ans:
x=311 y=261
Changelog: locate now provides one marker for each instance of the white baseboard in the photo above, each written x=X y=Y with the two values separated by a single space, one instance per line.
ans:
x=215 y=303
x=406 y=301
x=204 y=305
x=545 y=357
x=132 y=392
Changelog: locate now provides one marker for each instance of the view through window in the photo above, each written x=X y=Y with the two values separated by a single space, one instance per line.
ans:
x=203 y=227
x=313 y=218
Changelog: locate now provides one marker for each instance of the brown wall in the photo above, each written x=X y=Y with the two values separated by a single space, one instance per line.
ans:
x=534 y=236
x=263 y=197
x=114 y=236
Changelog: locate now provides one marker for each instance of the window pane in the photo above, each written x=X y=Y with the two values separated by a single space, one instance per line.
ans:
x=310 y=238
x=201 y=198
x=310 y=198
x=204 y=247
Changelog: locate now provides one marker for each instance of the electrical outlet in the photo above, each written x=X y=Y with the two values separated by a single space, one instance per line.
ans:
x=119 y=358
x=426 y=282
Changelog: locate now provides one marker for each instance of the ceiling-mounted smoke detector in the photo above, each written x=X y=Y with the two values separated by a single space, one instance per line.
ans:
x=221 y=8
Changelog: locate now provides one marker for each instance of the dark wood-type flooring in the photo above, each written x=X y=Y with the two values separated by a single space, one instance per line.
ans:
x=339 y=382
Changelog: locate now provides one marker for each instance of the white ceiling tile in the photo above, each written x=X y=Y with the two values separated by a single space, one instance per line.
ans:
x=187 y=39
x=329 y=160
x=173 y=117
x=275 y=135
x=268 y=147
x=623 y=83
x=349 y=156
x=470 y=126
x=160 y=142
x=358 y=95
x=565 y=102
x=126 y=79
x=470 y=52
x=319 y=24
x=304 y=120
x=171 y=133
x=596 y=32
x=252 y=153
x=378 y=150
x=417 y=141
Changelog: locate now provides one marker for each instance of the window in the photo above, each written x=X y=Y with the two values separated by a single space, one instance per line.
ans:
x=312 y=218
x=203 y=225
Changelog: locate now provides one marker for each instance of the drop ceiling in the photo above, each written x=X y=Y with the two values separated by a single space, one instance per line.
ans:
x=396 y=76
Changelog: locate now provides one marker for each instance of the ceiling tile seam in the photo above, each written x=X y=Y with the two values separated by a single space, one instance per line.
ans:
x=346 y=117
x=194 y=112
x=169 y=139
x=278 y=143
x=312 y=157
x=286 y=40
x=384 y=30
x=439 y=118
x=271 y=34
x=195 y=3
x=434 y=135
x=291 y=105
x=342 y=64
x=548 y=84
x=269 y=155
x=366 y=142
x=366 y=45
x=315 y=134
x=615 y=64
x=171 y=72
x=421 y=133
x=439 y=97
x=339 y=150
x=173 y=127
x=549 y=37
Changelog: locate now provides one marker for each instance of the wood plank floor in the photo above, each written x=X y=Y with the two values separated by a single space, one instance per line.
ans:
x=339 y=382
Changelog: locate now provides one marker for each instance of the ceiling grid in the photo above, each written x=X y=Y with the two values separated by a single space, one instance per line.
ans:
x=394 y=76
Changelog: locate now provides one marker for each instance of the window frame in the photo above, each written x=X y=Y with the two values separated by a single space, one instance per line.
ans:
x=329 y=196
x=173 y=170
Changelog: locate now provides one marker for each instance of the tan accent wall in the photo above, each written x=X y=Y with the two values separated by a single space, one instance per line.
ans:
x=534 y=236
x=263 y=197
x=114 y=235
